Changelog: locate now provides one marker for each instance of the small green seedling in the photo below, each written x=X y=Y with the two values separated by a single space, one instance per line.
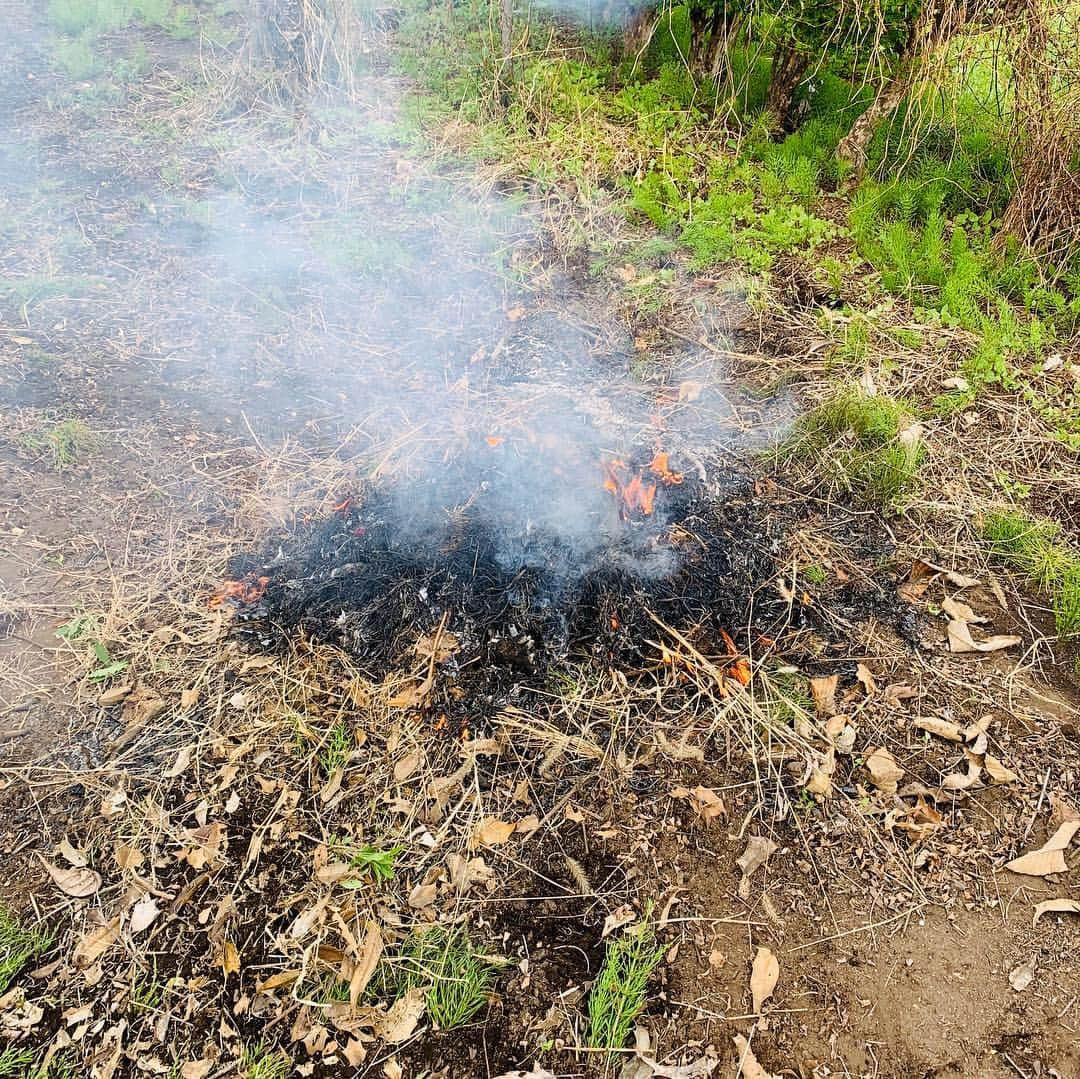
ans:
x=618 y=995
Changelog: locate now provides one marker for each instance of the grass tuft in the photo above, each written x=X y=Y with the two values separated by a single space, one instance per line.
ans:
x=457 y=978
x=858 y=440
x=15 y=1062
x=258 y=1062
x=18 y=946
x=619 y=992
x=1033 y=546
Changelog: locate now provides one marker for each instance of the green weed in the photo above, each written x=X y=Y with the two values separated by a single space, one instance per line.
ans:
x=18 y=945
x=366 y=859
x=445 y=964
x=857 y=440
x=65 y=443
x=260 y=1062
x=78 y=57
x=15 y=1063
x=618 y=995
x=336 y=749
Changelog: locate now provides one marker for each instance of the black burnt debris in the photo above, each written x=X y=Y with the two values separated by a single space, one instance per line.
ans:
x=500 y=600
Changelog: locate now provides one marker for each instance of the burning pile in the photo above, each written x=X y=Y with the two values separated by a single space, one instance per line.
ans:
x=508 y=598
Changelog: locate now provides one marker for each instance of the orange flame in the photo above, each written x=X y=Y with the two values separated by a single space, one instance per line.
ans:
x=632 y=492
x=635 y=492
x=659 y=467
x=248 y=590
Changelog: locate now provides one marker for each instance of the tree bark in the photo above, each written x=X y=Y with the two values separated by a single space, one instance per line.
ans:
x=854 y=145
x=788 y=68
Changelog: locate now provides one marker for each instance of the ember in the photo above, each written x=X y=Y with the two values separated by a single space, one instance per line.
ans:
x=248 y=590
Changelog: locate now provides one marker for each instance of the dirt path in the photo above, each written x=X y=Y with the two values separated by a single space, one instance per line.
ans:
x=203 y=301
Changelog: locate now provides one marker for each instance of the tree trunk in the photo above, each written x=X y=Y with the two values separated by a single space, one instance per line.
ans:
x=854 y=145
x=788 y=68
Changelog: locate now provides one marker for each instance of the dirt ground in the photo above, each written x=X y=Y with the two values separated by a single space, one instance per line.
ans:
x=248 y=307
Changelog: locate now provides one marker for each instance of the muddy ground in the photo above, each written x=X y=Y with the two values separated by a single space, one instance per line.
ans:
x=240 y=302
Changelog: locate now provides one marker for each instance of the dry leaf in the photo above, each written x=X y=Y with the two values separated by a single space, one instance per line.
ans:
x=230 y=959
x=115 y=695
x=943 y=728
x=423 y=895
x=181 y=764
x=197 y=1069
x=757 y=852
x=824 y=691
x=884 y=771
x=862 y=673
x=536 y=1073
x=72 y=856
x=707 y=803
x=371 y=950
x=189 y=698
x=355 y=1053
x=997 y=771
x=1050 y=857
x=617 y=919
x=690 y=391
x=962 y=781
x=78 y=881
x=277 y=981
x=493 y=832
x=398 y=1024
x=128 y=857
x=763 y=977
x=960 y=611
x=143 y=914
x=94 y=945
x=1055 y=906
x=406 y=766
x=1022 y=976
x=748 y=1066
x=960 y=640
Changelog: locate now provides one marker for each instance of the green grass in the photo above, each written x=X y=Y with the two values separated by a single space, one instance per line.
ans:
x=259 y=1062
x=618 y=995
x=15 y=1062
x=457 y=979
x=64 y=443
x=1034 y=546
x=336 y=749
x=18 y=945
x=854 y=441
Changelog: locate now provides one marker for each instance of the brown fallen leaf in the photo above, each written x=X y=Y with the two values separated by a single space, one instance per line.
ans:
x=423 y=895
x=748 y=1066
x=398 y=1024
x=1055 y=906
x=277 y=981
x=371 y=949
x=918 y=581
x=492 y=832
x=962 y=781
x=960 y=640
x=230 y=959
x=707 y=803
x=406 y=766
x=864 y=675
x=884 y=771
x=115 y=695
x=997 y=771
x=624 y=915
x=763 y=977
x=1050 y=857
x=823 y=689
x=197 y=1069
x=960 y=611
x=78 y=881
x=71 y=855
x=943 y=728
x=128 y=857
x=1022 y=976
x=96 y=942
x=758 y=849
